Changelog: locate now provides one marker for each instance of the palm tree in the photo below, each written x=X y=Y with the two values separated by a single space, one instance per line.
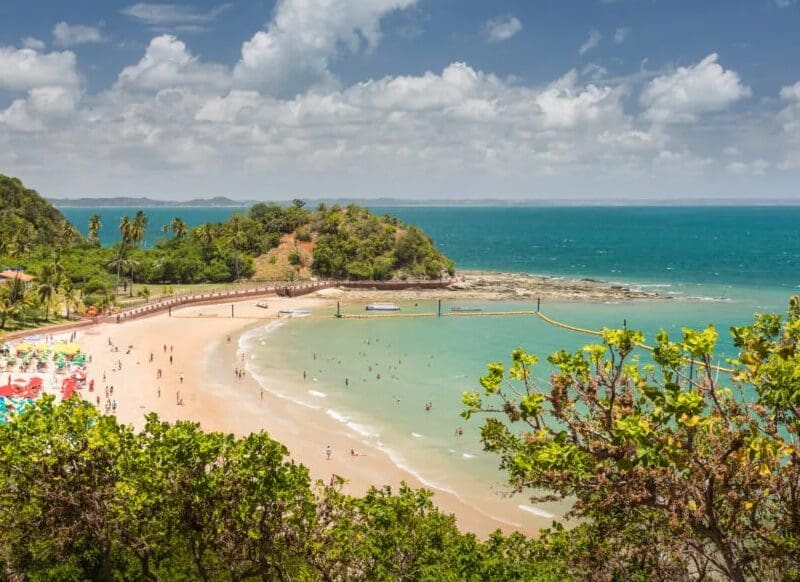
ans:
x=8 y=309
x=139 y=227
x=48 y=288
x=132 y=264
x=125 y=229
x=120 y=260
x=72 y=298
x=14 y=298
x=94 y=229
x=178 y=227
x=237 y=239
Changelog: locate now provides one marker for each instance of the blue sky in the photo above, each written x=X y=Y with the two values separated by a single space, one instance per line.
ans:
x=601 y=99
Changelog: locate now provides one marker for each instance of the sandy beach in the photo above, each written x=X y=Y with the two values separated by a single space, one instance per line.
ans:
x=202 y=344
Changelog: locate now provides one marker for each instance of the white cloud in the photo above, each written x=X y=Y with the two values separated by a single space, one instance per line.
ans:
x=178 y=125
x=43 y=107
x=66 y=35
x=784 y=3
x=592 y=42
x=756 y=167
x=33 y=43
x=24 y=69
x=690 y=91
x=167 y=63
x=565 y=104
x=502 y=28
x=294 y=53
x=173 y=15
x=791 y=92
x=621 y=34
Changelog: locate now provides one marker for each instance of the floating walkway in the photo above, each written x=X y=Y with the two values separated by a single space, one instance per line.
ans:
x=555 y=323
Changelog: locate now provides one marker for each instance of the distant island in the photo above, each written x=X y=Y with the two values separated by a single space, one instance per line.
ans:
x=225 y=202
x=144 y=202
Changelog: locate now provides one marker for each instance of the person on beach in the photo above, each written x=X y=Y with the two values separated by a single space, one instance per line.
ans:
x=165 y=348
x=328 y=452
x=178 y=397
x=181 y=377
x=170 y=360
x=304 y=374
x=159 y=391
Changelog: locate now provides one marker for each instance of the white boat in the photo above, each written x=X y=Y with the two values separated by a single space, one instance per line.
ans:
x=262 y=305
x=383 y=307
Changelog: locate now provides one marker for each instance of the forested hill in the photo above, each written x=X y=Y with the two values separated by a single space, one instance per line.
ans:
x=26 y=219
x=344 y=242
x=267 y=242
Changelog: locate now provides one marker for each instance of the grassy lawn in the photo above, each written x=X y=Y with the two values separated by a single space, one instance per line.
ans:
x=14 y=325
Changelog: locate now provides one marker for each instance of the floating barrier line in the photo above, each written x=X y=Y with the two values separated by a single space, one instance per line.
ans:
x=486 y=313
x=593 y=332
x=384 y=315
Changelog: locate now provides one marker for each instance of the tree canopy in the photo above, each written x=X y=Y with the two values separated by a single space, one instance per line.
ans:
x=676 y=470
x=85 y=498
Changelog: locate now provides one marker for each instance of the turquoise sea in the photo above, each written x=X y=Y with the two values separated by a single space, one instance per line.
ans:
x=718 y=265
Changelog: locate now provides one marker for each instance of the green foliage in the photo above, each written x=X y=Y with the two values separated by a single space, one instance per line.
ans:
x=673 y=475
x=85 y=498
x=355 y=244
x=27 y=220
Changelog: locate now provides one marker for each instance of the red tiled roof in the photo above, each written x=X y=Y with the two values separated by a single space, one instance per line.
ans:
x=25 y=278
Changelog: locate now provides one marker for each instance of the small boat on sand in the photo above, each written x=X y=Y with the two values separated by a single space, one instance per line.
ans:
x=461 y=309
x=262 y=305
x=383 y=307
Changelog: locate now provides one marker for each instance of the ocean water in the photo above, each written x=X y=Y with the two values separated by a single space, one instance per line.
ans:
x=703 y=252
x=158 y=217
x=717 y=265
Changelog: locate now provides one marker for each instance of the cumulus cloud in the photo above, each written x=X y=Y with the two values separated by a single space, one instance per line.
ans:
x=43 y=107
x=66 y=35
x=688 y=92
x=592 y=42
x=167 y=63
x=24 y=69
x=564 y=103
x=173 y=16
x=294 y=52
x=279 y=121
x=621 y=34
x=502 y=28
x=33 y=43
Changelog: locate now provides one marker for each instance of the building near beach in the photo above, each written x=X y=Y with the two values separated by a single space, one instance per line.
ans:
x=9 y=274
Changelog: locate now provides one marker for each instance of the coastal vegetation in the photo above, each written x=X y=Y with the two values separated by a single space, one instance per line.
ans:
x=678 y=470
x=83 y=497
x=288 y=242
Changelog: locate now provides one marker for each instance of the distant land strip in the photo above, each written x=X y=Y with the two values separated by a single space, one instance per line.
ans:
x=225 y=202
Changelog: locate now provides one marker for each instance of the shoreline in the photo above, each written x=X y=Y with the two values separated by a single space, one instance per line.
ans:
x=213 y=397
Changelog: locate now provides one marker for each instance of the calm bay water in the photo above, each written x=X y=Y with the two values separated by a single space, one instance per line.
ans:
x=720 y=265
x=732 y=248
